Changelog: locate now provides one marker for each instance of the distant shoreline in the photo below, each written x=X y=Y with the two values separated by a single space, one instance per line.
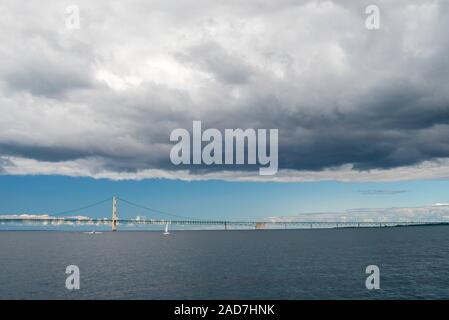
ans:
x=437 y=224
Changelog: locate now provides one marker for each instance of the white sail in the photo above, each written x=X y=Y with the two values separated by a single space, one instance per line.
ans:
x=166 y=229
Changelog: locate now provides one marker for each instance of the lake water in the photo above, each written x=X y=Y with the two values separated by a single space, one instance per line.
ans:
x=266 y=264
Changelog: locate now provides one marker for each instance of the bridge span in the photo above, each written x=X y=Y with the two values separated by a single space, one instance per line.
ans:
x=115 y=221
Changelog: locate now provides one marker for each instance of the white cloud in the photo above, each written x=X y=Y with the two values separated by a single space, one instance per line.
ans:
x=433 y=213
x=95 y=168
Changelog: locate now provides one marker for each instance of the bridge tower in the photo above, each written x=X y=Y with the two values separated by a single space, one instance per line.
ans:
x=114 y=214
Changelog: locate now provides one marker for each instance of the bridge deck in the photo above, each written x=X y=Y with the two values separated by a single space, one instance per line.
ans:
x=260 y=224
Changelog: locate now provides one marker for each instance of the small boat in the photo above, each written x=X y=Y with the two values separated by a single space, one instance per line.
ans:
x=92 y=232
x=166 y=229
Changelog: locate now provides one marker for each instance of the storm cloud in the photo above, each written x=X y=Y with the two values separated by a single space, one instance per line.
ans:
x=103 y=99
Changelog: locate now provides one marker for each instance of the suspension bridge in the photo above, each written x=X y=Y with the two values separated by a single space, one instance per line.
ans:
x=174 y=219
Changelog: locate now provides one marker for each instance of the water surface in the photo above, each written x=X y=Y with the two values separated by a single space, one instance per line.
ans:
x=268 y=264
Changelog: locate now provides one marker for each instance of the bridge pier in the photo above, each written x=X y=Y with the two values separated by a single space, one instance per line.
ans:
x=260 y=225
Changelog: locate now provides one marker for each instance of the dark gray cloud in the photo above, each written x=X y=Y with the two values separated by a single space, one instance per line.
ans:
x=40 y=78
x=212 y=58
x=113 y=90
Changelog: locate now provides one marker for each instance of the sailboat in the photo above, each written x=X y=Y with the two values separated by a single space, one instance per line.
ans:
x=166 y=229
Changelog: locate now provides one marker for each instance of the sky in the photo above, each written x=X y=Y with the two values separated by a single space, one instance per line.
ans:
x=228 y=200
x=87 y=111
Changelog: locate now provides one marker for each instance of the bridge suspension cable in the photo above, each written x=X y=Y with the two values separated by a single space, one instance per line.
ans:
x=82 y=208
x=156 y=210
